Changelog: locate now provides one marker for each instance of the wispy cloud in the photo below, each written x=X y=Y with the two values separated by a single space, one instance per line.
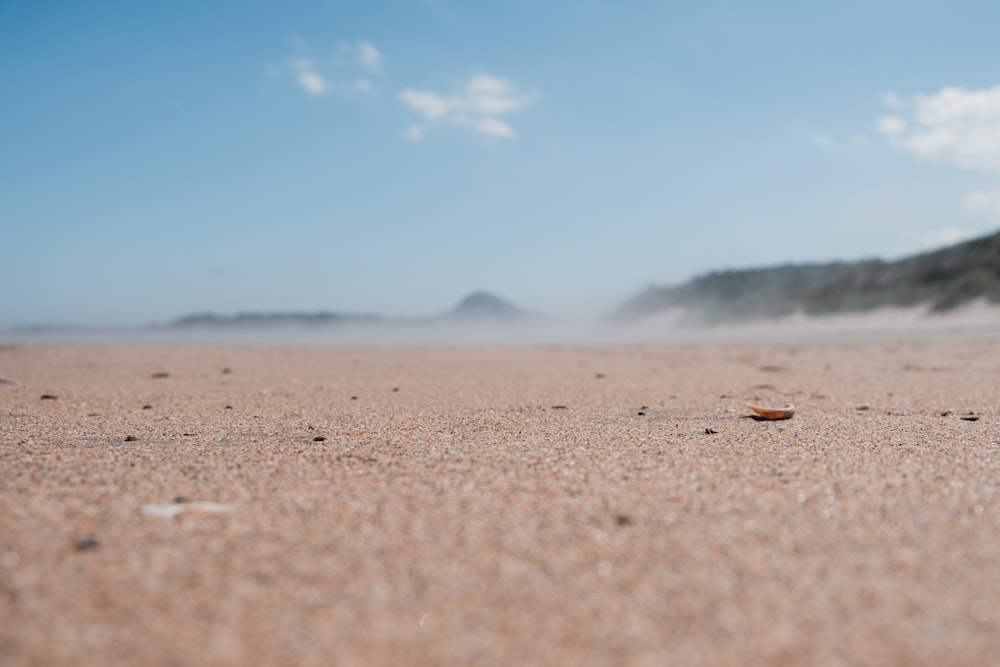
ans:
x=954 y=126
x=430 y=105
x=892 y=100
x=349 y=72
x=369 y=57
x=481 y=103
x=821 y=140
x=891 y=126
x=494 y=127
x=415 y=132
x=308 y=77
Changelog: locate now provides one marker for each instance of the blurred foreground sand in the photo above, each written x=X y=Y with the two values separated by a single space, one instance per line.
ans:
x=504 y=506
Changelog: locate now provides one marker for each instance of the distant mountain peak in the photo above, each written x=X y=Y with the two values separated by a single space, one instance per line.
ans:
x=484 y=305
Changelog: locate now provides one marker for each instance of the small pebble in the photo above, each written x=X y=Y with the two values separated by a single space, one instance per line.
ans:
x=147 y=407
x=599 y=376
x=558 y=407
x=229 y=407
x=395 y=388
x=131 y=438
x=354 y=398
x=88 y=543
x=642 y=413
x=180 y=499
x=160 y=375
x=710 y=431
x=623 y=520
x=970 y=419
x=227 y=371
x=319 y=438
x=49 y=397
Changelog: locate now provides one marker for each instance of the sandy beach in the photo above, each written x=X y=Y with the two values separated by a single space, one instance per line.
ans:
x=608 y=505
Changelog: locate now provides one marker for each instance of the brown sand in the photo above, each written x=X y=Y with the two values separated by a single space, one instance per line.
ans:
x=454 y=516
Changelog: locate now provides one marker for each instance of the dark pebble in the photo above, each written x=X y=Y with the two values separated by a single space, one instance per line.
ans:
x=644 y=407
x=319 y=438
x=599 y=376
x=354 y=398
x=49 y=397
x=970 y=419
x=88 y=543
x=131 y=438
x=710 y=431
x=395 y=388
x=229 y=407
x=147 y=407
x=227 y=371
x=180 y=499
x=623 y=520
x=159 y=376
x=559 y=407
x=641 y=413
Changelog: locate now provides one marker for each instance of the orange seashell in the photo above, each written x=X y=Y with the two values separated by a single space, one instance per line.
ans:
x=773 y=413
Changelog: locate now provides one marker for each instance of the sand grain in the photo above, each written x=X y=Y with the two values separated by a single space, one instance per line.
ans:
x=452 y=516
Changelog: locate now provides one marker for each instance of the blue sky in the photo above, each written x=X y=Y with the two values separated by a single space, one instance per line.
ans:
x=158 y=159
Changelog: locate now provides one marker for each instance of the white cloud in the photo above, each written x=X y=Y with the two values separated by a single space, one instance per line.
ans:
x=307 y=77
x=821 y=140
x=415 y=132
x=492 y=97
x=338 y=75
x=311 y=82
x=494 y=127
x=369 y=57
x=479 y=104
x=431 y=105
x=891 y=126
x=954 y=126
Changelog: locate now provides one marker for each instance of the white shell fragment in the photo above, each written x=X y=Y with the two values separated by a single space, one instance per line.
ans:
x=173 y=509
x=773 y=413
